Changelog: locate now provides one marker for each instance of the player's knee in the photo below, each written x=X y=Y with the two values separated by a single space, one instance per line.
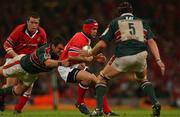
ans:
x=90 y=78
x=102 y=78
x=11 y=81
x=140 y=78
x=16 y=92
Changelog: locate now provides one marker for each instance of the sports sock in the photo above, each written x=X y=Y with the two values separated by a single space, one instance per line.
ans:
x=100 y=92
x=148 y=89
x=2 y=101
x=6 y=91
x=21 y=102
x=105 y=105
x=81 y=92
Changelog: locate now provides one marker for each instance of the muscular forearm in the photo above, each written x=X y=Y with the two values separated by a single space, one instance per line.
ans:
x=78 y=58
x=12 y=53
x=100 y=45
x=154 y=49
x=52 y=63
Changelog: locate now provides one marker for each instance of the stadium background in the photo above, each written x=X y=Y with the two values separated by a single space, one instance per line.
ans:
x=64 y=17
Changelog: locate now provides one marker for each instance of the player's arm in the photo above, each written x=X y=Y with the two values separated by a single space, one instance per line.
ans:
x=155 y=51
x=10 y=43
x=99 y=46
x=11 y=52
x=100 y=58
x=50 y=63
x=80 y=58
x=43 y=37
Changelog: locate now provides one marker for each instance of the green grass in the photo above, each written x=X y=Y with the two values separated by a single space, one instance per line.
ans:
x=76 y=113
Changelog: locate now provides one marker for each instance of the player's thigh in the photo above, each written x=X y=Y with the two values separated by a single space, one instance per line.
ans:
x=10 y=81
x=86 y=76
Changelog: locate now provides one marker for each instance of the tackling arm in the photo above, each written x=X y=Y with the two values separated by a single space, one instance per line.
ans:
x=50 y=63
x=80 y=58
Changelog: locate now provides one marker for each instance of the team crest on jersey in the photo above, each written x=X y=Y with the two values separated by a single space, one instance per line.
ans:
x=39 y=39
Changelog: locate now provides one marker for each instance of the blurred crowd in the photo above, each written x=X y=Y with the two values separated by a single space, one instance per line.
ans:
x=65 y=17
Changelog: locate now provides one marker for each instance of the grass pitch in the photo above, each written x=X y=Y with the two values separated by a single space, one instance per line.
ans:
x=76 y=113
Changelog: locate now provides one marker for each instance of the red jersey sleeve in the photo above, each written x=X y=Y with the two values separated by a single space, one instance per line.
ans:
x=77 y=43
x=43 y=36
x=12 y=39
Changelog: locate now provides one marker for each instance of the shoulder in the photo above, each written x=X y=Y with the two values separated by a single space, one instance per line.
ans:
x=19 y=27
x=42 y=30
x=79 y=36
x=79 y=39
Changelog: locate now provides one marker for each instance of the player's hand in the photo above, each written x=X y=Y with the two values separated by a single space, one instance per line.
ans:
x=162 y=66
x=100 y=58
x=65 y=63
x=84 y=53
x=89 y=59
x=82 y=66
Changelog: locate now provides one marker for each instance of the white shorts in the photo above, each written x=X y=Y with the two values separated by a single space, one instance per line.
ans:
x=68 y=74
x=12 y=68
x=132 y=63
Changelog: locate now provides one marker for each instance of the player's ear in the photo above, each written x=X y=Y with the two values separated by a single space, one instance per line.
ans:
x=53 y=46
x=27 y=21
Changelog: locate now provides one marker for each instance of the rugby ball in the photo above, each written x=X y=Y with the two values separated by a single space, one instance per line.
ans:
x=87 y=48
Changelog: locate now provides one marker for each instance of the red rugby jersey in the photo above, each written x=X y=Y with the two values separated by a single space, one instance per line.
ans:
x=22 y=43
x=75 y=44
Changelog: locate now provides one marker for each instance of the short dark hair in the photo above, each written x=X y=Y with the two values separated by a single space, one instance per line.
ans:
x=125 y=7
x=58 y=40
x=32 y=14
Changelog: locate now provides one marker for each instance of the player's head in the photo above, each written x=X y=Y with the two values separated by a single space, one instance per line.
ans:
x=57 y=45
x=125 y=7
x=33 y=20
x=90 y=27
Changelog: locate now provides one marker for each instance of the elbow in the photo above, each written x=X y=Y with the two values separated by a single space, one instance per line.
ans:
x=103 y=44
x=47 y=63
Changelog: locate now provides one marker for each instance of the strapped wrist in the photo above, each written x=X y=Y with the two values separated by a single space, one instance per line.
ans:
x=59 y=63
x=158 y=61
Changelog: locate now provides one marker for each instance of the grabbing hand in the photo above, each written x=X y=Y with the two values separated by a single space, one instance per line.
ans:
x=84 y=53
x=88 y=59
x=100 y=58
x=65 y=63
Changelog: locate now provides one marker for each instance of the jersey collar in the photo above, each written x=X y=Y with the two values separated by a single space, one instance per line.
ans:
x=124 y=14
x=27 y=33
x=87 y=37
x=25 y=30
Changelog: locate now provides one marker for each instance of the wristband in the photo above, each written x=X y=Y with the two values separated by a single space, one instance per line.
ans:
x=59 y=63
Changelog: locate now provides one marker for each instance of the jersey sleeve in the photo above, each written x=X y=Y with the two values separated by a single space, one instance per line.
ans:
x=148 y=33
x=74 y=51
x=76 y=45
x=43 y=54
x=108 y=34
x=11 y=40
x=43 y=37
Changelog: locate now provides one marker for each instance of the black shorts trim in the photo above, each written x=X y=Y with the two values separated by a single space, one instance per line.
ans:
x=72 y=75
